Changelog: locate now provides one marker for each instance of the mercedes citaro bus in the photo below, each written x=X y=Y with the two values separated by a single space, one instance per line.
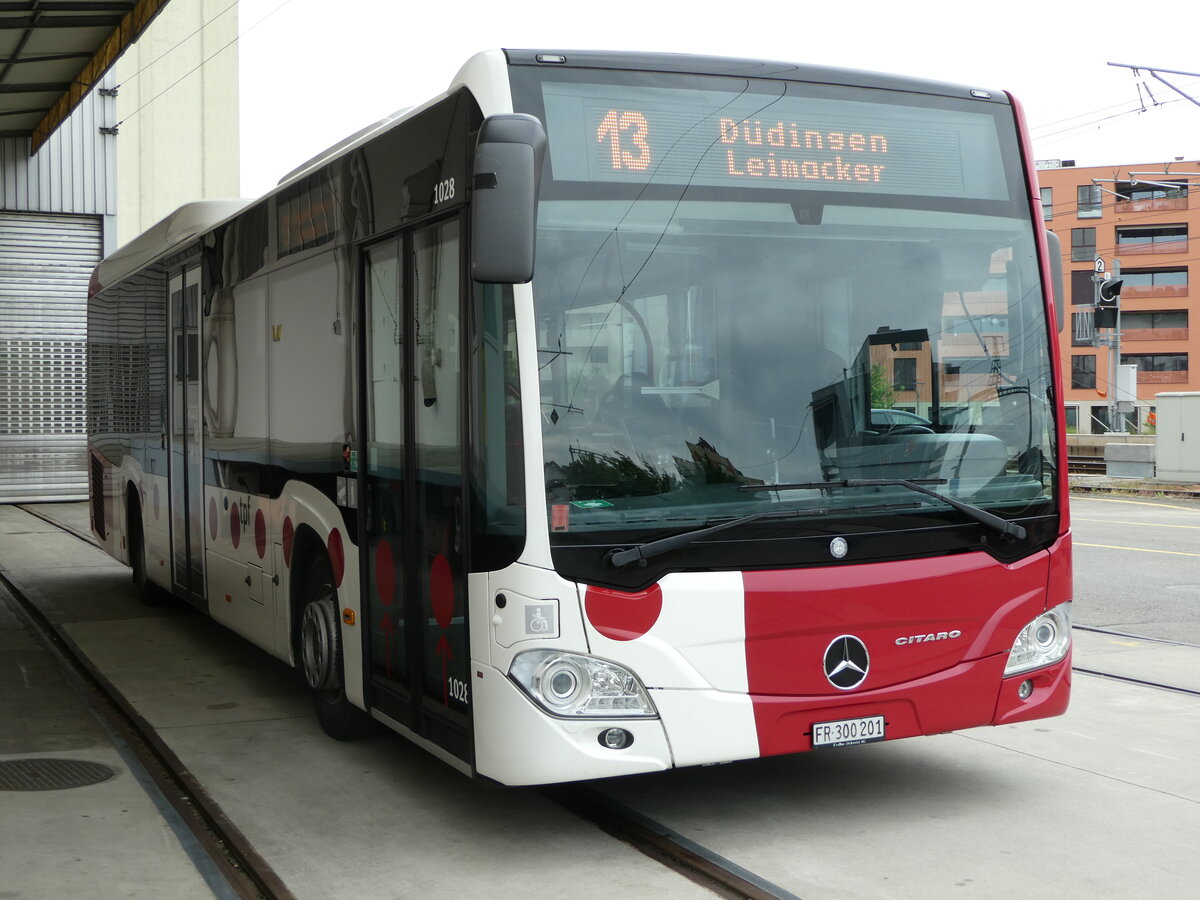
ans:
x=613 y=412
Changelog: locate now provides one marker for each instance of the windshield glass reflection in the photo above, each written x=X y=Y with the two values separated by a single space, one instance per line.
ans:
x=691 y=348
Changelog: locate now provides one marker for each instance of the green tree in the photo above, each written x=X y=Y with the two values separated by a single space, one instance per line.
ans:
x=882 y=395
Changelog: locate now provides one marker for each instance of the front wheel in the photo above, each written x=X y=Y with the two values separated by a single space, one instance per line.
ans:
x=321 y=656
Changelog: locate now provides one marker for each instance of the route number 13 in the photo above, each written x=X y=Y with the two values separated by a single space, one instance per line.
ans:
x=626 y=133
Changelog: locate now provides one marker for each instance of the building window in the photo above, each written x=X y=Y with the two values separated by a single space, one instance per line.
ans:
x=1083 y=244
x=1072 y=418
x=1083 y=289
x=1165 y=282
x=1156 y=362
x=1089 y=201
x=904 y=374
x=1100 y=420
x=1047 y=204
x=1083 y=371
x=1083 y=329
x=1140 y=192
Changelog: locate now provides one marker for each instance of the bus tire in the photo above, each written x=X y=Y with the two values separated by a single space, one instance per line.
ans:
x=320 y=641
x=145 y=590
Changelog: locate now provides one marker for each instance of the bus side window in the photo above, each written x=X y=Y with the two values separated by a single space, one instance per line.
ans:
x=498 y=487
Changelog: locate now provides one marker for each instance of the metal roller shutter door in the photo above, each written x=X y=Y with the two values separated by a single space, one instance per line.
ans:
x=46 y=262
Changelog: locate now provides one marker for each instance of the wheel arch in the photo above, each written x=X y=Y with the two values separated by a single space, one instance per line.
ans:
x=133 y=513
x=307 y=545
x=313 y=525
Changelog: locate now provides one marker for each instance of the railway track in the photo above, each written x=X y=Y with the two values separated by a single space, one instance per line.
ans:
x=248 y=875
x=1086 y=465
x=245 y=873
x=1127 y=679
x=694 y=861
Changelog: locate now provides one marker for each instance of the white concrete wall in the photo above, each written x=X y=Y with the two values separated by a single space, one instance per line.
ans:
x=178 y=111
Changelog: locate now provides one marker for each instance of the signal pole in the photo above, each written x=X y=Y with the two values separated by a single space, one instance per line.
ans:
x=1107 y=316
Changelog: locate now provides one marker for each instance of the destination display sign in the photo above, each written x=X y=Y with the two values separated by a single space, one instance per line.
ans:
x=784 y=140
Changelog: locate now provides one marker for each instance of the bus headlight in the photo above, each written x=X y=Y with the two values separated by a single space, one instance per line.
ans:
x=1042 y=642
x=570 y=684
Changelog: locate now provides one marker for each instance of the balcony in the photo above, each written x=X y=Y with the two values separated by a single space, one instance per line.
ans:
x=1153 y=205
x=1162 y=377
x=1149 y=248
x=1154 y=334
x=1151 y=291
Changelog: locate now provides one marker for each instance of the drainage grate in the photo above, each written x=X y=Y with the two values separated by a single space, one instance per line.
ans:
x=51 y=774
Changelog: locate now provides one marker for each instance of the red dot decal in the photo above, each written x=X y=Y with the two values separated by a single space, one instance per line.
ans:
x=337 y=557
x=212 y=518
x=385 y=572
x=441 y=590
x=235 y=526
x=289 y=534
x=622 y=616
x=260 y=534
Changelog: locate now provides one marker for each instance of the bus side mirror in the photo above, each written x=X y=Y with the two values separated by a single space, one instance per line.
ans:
x=508 y=169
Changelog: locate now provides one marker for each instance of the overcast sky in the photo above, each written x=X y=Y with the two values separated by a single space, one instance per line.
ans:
x=314 y=71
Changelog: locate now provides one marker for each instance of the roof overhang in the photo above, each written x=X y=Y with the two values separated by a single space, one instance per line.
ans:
x=52 y=52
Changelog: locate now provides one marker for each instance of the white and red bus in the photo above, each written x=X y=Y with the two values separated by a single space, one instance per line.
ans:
x=613 y=412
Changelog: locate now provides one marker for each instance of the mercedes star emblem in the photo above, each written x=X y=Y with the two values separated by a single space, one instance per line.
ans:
x=846 y=662
x=838 y=547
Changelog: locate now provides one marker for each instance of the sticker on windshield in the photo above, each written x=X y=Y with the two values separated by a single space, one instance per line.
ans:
x=560 y=517
x=590 y=504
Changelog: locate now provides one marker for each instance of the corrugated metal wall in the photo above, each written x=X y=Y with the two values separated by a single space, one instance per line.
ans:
x=45 y=264
x=75 y=170
x=52 y=209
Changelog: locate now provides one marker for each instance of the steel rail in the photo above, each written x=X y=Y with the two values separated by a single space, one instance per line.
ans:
x=1133 y=637
x=693 y=861
x=1191 y=692
x=34 y=511
x=1129 y=679
x=248 y=875
x=701 y=865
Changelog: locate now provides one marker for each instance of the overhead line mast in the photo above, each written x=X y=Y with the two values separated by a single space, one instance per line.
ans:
x=1154 y=72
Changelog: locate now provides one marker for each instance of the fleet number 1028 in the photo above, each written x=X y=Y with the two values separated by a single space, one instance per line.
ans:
x=443 y=191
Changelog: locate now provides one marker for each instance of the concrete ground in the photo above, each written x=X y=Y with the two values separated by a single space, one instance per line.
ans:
x=1103 y=802
x=116 y=838
x=376 y=818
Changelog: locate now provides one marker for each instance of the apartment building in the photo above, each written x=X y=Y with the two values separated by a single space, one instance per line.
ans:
x=1142 y=215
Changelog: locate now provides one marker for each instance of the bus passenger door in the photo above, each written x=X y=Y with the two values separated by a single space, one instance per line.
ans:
x=184 y=448
x=413 y=566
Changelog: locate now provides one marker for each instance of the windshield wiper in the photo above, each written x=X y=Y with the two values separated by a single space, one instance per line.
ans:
x=619 y=559
x=982 y=516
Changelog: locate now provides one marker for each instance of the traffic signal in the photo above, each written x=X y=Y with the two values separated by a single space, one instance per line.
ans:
x=1107 y=303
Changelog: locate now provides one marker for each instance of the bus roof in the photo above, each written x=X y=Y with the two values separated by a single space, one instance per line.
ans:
x=185 y=223
x=195 y=218
x=691 y=64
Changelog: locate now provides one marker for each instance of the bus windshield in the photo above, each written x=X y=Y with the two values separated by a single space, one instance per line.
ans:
x=750 y=282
